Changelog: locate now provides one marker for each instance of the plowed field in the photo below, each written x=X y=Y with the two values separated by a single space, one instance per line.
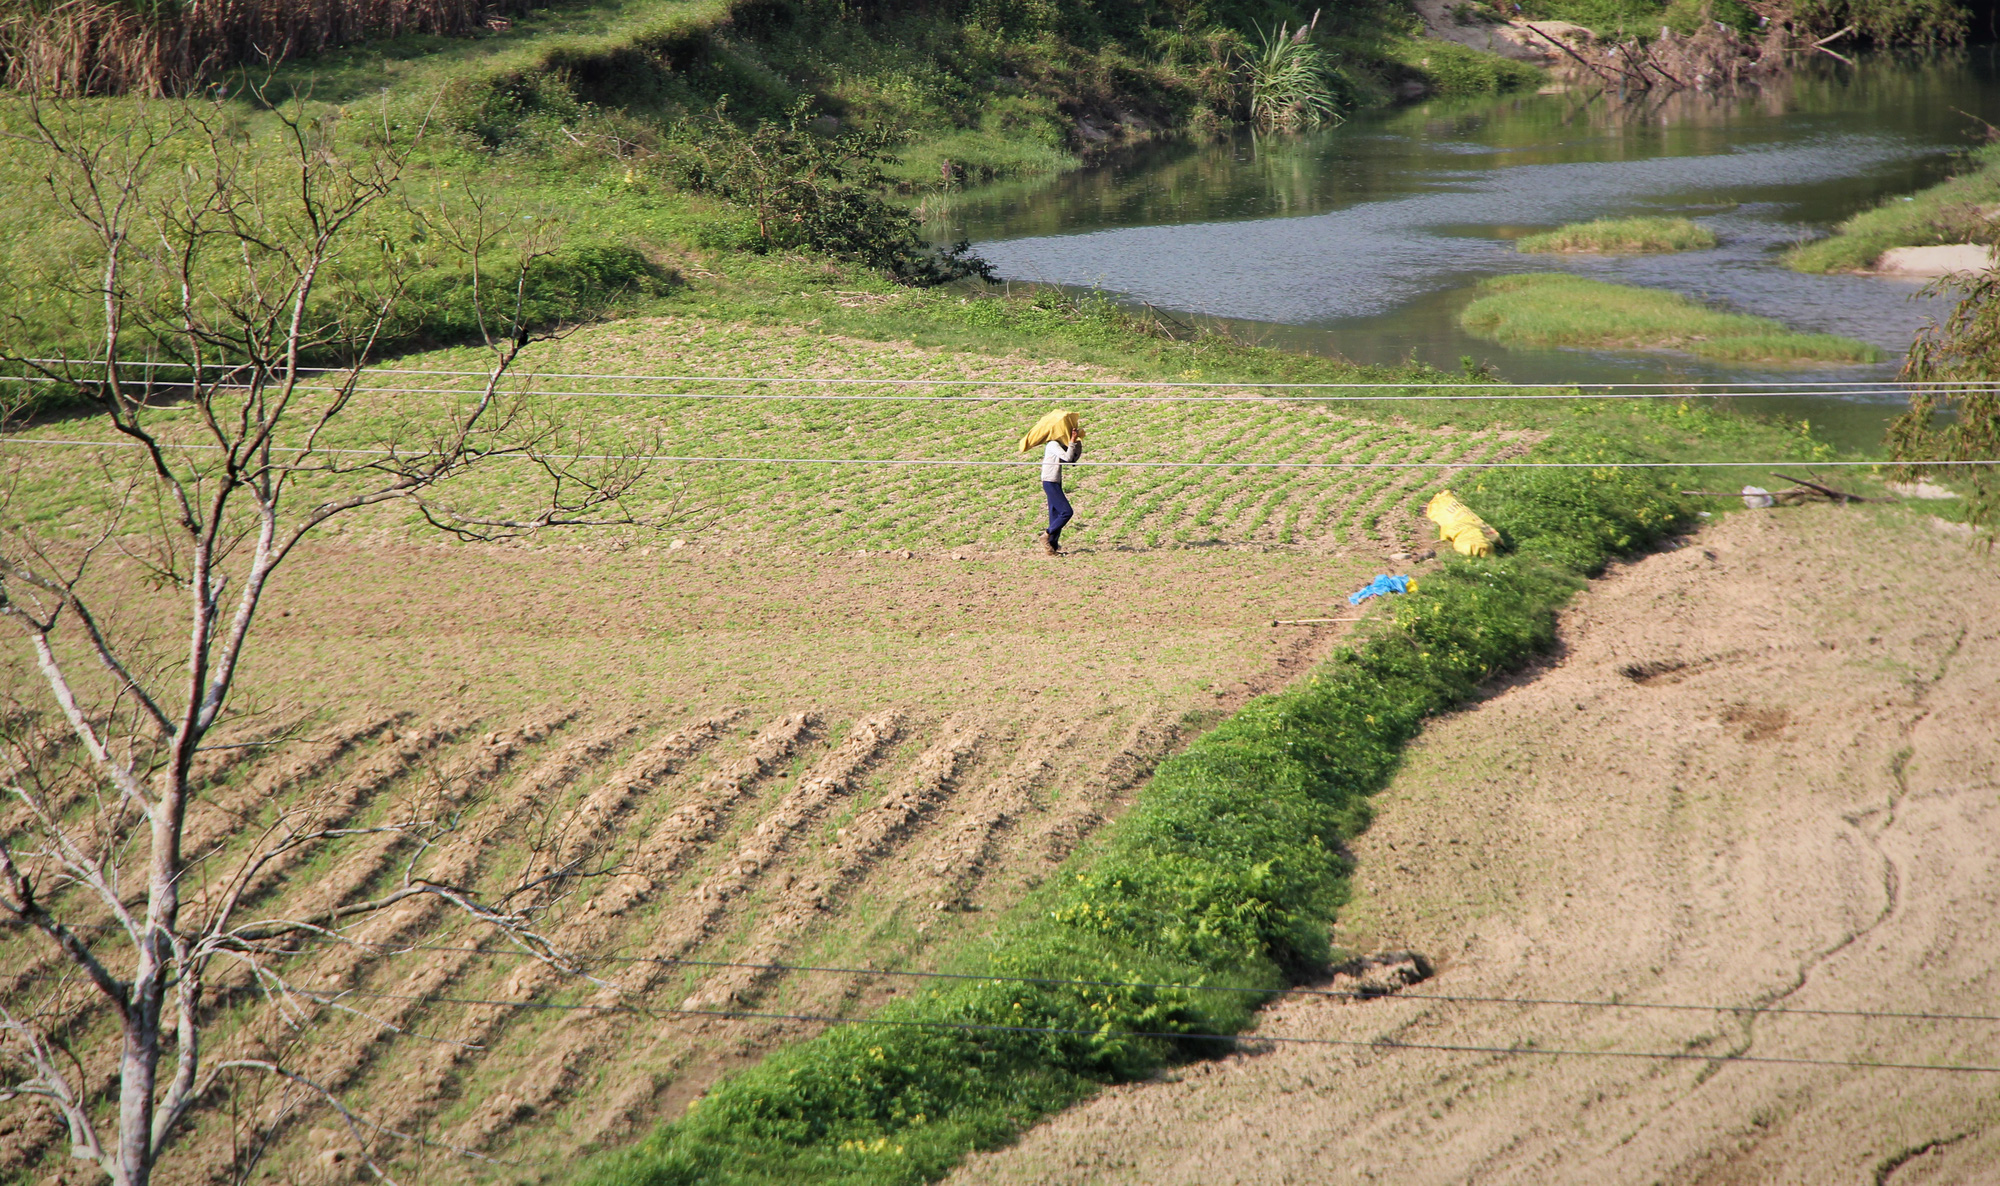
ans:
x=841 y=724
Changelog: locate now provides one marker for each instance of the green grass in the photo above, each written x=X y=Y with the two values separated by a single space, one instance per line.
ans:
x=1559 y=310
x=1622 y=236
x=1958 y=210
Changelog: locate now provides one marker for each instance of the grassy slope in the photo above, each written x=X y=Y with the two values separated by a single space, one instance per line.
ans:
x=1955 y=211
x=562 y=119
x=1561 y=310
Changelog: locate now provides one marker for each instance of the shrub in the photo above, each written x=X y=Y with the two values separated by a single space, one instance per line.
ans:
x=574 y=284
x=807 y=188
x=1886 y=22
x=1451 y=69
x=1965 y=347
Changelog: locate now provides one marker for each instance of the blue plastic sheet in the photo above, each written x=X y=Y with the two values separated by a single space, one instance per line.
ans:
x=1380 y=586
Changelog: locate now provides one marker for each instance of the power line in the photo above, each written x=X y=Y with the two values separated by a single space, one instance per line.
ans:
x=1499 y=391
x=1329 y=993
x=1352 y=1043
x=1198 y=384
x=970 y=463
x=1059 y=982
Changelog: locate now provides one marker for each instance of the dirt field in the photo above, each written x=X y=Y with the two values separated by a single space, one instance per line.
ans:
x=793 y=741
x=1764 y=771
x=845 y=760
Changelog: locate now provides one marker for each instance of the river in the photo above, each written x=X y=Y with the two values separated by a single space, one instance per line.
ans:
x=1365 y=239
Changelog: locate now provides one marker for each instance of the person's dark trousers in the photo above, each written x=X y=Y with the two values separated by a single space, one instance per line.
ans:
x=1060 y=511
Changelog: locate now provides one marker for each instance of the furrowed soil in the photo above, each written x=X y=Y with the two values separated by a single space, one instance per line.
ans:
x=778 y=732
x=1762 y=773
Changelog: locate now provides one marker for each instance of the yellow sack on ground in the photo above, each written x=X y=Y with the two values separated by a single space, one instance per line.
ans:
x=1059 y=425
x=1468 y=533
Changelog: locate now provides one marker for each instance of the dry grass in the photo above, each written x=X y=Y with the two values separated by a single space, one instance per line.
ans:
x=98 y=47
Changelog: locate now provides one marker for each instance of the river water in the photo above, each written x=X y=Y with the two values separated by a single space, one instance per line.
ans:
x=1365 y=239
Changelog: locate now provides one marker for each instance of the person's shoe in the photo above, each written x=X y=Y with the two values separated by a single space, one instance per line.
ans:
x=1049 y=546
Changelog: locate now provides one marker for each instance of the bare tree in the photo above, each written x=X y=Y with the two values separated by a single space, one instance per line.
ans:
x=237 y=289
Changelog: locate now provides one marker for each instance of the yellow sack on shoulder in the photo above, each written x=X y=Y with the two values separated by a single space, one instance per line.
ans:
x=1468 y=533
x=1059 y=425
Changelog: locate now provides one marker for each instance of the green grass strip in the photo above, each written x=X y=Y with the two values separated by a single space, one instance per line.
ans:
x=1228 y=870
x=1622 y=236
x=1960 y=209
x=1556 y=309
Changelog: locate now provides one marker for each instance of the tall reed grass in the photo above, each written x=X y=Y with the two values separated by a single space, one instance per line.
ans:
x=1289 y=86
x=100 y=47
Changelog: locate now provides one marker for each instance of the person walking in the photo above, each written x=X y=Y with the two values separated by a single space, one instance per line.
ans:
x=1061 y=436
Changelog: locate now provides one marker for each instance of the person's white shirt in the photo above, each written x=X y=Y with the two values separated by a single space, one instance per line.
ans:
x=1055 y=455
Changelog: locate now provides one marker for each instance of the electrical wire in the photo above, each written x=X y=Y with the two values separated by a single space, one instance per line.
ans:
x=847 y=380
x=1059 y=982
x=1326 y=993
x=1499 y=391
x=969 y=463
x=1351 y=1043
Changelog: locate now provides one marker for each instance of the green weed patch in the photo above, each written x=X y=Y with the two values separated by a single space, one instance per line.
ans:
x=1622 y=236
x=1561 y=310
x=1229 y=870
x=1959 y=210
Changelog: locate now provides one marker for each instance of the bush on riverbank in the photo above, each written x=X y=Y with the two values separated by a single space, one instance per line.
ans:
x=1227 y=871
x=1562 y=310
x=1966 y=347
x=1632 y=236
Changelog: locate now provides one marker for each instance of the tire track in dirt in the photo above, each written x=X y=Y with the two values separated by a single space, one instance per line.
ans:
x=455 y=862
x=687 y=927
x=228 y=811
x=230 y=749
x=349 y=794
x=419 y=1088
x=581 y=1039
x=1899 y=789
x=582 y=830
x=1148 y=739
x=213 y=822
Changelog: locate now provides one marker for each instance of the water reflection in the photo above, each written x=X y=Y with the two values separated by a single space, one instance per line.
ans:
x=1363 y=239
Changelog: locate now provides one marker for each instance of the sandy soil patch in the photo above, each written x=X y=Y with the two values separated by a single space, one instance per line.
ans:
x=1943 y=260
x=1763 y=772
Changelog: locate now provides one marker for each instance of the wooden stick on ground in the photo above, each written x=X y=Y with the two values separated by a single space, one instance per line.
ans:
x=1309 y=621
x=1830 y=492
